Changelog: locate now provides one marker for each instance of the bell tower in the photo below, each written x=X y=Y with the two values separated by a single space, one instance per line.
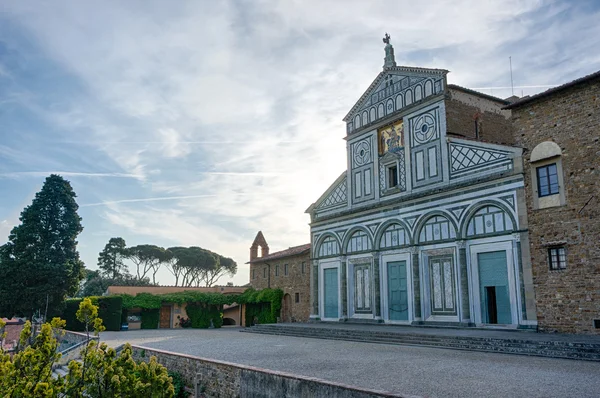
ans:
x=259 y=242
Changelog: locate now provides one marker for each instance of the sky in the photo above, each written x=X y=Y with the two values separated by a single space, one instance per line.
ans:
x=199 y=123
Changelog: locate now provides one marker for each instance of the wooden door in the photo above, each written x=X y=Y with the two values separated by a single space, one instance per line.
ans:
x=165 y=317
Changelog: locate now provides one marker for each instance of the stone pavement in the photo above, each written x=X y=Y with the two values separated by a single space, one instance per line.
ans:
x=422 y=371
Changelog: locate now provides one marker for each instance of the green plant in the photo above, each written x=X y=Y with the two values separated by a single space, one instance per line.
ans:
x=150 y=318
x=184 y=322
x=178 y=384
x=110 y=309
x=201 y=315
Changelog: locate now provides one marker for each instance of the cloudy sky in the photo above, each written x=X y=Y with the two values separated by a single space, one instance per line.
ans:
x=202 y=122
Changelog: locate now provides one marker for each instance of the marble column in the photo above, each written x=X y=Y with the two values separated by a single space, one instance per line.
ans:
x=377 y=287
x=517 y=247
x=416 y=282
x=314 y=291
x=344 y=289
x=464 y=281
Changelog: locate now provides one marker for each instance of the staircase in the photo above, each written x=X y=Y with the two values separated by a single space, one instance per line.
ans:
x=518 y=343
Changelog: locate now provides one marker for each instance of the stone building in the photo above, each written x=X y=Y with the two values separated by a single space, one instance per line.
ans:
x=559 y=131
x=288 y=270
x=428 y=224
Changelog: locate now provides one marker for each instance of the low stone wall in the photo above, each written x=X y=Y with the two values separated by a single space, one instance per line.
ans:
x=213 y=378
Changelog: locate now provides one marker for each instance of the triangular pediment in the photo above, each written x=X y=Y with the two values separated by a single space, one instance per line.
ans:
x=335 y=196
x=392 y=90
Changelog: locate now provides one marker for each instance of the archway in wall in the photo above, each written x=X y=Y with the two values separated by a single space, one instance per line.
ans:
x=228 y=322
x=286 y=308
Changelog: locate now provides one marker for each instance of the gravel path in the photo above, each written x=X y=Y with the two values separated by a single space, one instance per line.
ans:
x=428 y=372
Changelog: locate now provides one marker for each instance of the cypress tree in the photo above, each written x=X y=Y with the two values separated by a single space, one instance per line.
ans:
x=40 y=263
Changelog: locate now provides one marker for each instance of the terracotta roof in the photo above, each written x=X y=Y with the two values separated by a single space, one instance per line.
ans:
x=554 y=90
x=477 y=93
x=292 y=251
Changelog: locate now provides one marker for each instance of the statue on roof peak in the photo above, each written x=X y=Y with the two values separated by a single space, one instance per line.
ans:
x=389 y=60
x=386 y=38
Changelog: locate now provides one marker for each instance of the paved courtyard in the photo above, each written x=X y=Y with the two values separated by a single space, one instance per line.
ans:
x=428 y=372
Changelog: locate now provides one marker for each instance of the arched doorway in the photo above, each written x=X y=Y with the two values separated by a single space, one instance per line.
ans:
x=228 y=322
x=286 y=308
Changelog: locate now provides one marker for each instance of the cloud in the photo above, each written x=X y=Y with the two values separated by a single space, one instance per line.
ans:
x=218 y=119
x=36 y=174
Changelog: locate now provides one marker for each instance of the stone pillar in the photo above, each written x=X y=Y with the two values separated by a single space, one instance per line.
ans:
x=464 y=281
x=517 y=247
x=416 y=282
x=344 y=289
x=377 y=287
x=314 y=291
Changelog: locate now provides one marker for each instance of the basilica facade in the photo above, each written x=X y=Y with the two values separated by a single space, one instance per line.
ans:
x=428 y=224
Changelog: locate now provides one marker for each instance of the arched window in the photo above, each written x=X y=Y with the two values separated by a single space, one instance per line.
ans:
x=547 y=175
x=437 y=228
x=394 y=236
x=329 y=247
x=489 y=220
x=359 y=241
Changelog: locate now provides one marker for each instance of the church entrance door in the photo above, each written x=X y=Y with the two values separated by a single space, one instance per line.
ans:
x=493 y=288
x=330 y=290
x=397 y=291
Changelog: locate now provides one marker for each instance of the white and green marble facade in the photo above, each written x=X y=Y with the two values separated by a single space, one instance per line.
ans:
x=456 y=213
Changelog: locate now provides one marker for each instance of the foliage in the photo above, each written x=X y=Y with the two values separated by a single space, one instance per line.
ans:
x=110 y=259
x=87 y=314
x=184 y=322
x=101 y=372
x=257 y=305
x=110 y=310
x=147 y=258
x=202 y=313
x=69 y=315
x=40 y=260
x=29 y=371
x=150 y=318
x=178 y=385
x=149 y=301
x=96 y=284
x=197 y=266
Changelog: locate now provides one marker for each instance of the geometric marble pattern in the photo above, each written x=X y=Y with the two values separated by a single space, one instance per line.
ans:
x=510 y=200
x=463 y=157
x=337 y=196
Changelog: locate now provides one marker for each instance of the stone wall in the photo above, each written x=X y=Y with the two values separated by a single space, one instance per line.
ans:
x=263 y=275
x=567 y=300
x=493 y=123
x=213 y=378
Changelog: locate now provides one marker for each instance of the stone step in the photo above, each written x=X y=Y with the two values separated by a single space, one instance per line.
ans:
x=554 y=349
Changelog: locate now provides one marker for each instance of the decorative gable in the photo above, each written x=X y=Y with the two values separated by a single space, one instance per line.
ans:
x=394 y=89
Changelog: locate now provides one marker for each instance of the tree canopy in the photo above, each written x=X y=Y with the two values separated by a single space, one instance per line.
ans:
x=40 y=263
x=110 y=259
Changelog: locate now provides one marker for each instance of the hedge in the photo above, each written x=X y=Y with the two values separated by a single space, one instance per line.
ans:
x=69 y=315
x=200 y=315
x=150 y=318
x=109 y=310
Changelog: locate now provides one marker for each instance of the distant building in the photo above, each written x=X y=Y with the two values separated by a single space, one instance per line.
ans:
x=428 y=224
x=171 y=313
x=559 y=130
x=288 y=270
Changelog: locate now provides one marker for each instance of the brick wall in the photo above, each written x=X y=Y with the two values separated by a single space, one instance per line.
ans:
x=213 y=378
x=567 y=300
x=462 y=109
x=294 y=283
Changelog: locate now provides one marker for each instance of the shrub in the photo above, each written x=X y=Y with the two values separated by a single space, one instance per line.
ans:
x=184 y=322
x=178 y=385
x=110 y=309
x=70 y=317
x=150 y=318
x=201 y=314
